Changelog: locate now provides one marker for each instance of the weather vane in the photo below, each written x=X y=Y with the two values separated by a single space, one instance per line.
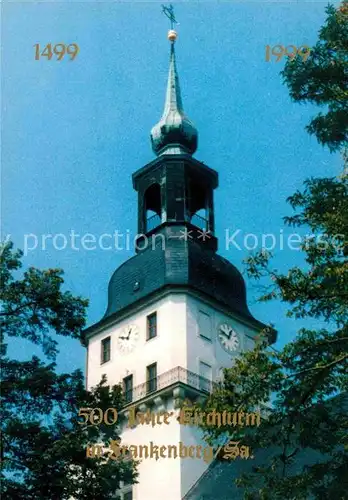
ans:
x=169 y=12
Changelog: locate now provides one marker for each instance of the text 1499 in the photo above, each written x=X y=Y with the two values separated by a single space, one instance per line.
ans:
x=59 y=50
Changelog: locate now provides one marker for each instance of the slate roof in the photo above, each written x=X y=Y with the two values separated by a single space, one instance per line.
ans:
x=180 y=263
x=217 y=483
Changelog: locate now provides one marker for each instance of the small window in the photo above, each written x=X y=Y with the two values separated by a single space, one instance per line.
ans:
x=204 y=325
x=151 y=329
x=151 y=377
x=128 y=388
x=205 y=372
x=105 y=349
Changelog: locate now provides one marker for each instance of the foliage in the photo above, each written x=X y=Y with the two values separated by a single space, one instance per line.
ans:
x=323 y=79
x=307 y=380
x=44 y=443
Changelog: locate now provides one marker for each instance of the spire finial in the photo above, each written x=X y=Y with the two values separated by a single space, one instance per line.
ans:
x=169 y=12
x=174 y=133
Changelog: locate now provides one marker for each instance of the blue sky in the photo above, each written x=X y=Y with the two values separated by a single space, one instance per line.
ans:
x=73 y=132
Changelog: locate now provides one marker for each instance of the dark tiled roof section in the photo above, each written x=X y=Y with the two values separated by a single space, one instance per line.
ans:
x=146 y=268
x=180 y=263
x=211 y=273
x=217 y=483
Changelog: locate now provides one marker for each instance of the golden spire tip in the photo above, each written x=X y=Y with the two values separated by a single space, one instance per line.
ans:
x=172 y=35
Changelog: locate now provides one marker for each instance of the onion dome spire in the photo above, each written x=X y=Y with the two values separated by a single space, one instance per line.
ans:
x=174 y=133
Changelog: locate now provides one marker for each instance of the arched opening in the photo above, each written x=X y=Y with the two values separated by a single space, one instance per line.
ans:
x=198 y=207
x=152 y=199
x=200 y=219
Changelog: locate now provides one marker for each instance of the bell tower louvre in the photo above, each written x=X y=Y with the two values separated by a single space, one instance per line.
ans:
x=177 y=312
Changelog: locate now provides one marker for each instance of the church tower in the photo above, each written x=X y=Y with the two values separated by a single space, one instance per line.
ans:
x=177 y=311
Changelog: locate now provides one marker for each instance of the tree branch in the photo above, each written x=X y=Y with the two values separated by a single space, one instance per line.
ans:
x=11 y=313
x=322 y=367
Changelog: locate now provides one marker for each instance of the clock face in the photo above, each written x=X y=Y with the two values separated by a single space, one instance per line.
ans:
x=127 y=339
x=228 y=338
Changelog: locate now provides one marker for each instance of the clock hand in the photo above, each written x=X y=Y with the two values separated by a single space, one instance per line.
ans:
x=222 y=332
x=123 y=338
x=130 y=331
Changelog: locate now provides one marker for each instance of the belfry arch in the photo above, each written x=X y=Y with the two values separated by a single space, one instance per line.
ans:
x=152 y=207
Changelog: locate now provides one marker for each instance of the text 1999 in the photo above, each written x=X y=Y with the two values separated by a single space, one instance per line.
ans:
x=279 y=51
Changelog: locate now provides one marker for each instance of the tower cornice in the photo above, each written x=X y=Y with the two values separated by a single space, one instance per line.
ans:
x=108 y=322
x=199 y=166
